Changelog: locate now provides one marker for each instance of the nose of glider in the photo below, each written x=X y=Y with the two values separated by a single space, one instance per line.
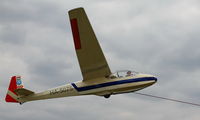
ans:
x=151 y=78
x=155 y=79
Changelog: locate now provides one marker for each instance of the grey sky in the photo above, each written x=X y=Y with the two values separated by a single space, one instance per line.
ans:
x=157 y=37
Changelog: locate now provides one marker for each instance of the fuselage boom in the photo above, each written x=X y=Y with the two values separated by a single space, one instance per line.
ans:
x=105 y=86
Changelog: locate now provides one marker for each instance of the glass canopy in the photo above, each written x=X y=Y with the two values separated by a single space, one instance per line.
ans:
x=123 y=73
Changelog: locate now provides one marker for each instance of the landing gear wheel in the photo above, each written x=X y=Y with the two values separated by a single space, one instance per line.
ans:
x=107 y=96
x=21 y=103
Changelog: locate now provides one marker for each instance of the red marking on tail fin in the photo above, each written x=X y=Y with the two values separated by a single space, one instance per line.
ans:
x=12 y=87
x=75 y=32
x=13 y=84
x=10 y=99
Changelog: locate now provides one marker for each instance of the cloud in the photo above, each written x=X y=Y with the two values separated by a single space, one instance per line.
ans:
x=154 y=37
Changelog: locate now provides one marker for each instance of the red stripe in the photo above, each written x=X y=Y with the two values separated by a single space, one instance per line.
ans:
x=10 y=99
x=75 y=33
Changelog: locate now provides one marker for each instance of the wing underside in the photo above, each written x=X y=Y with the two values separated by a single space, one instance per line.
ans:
x=90 y=56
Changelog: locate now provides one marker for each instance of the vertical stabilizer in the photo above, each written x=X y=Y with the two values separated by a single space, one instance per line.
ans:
x=15 y=83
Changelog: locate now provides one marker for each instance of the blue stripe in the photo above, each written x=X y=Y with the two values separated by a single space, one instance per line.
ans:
x=80 y=89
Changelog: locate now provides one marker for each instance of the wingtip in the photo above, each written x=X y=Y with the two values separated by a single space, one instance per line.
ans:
x=75 y=10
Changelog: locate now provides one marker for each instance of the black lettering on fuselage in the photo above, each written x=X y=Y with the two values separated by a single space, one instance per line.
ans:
x=60 y=90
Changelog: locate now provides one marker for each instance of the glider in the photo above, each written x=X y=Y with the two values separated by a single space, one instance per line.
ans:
x=97 y=76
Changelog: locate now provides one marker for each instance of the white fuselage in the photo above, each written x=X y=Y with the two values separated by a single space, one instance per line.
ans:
x=105 y=86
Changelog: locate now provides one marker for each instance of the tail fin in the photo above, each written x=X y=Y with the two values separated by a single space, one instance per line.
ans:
x=15 y=83
x=16 y=90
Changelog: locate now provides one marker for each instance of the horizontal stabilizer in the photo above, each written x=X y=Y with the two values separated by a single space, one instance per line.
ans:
x=23 y=92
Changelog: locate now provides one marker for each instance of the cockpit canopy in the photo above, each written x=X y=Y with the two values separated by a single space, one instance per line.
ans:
x=123 y=73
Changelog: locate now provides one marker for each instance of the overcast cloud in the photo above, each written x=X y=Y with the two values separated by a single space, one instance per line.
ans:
x=156 y=37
